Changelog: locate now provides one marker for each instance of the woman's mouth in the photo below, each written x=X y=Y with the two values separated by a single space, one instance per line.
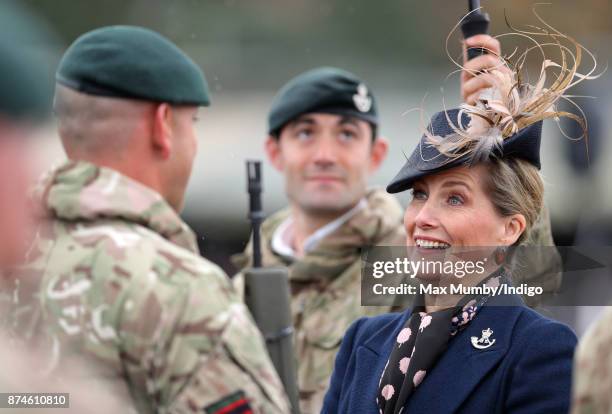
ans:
x=430 y=244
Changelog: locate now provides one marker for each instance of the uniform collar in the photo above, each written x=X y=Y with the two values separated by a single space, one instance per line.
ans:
x=282 y=238
x=82 y=192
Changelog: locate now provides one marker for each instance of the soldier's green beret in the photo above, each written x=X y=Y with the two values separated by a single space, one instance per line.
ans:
x=25 y=92
x=326 y=90
x=132 y=62
x=26 y=87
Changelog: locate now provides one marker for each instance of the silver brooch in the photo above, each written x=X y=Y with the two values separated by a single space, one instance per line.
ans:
x=484 y=341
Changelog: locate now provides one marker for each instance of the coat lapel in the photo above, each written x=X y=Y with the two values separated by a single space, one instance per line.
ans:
x=371 y=359
x=462 y=367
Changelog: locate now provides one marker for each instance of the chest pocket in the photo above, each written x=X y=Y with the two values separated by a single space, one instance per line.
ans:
x=326 y=315
x=325 y=319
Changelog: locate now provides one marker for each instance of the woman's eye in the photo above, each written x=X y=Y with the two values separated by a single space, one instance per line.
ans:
x=455 y=200
x=419 y=195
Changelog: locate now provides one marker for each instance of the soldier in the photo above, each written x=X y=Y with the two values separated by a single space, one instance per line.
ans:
x=115 y=275
x=593 y=369
x=323 y=137
x=23 y=102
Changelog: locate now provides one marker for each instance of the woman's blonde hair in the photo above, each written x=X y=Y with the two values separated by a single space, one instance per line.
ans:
x=515 y=187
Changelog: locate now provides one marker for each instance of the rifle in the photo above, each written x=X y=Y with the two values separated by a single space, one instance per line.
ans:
x=267 y=296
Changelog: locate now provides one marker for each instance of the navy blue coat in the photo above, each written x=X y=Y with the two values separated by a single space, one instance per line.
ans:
x=527 y=370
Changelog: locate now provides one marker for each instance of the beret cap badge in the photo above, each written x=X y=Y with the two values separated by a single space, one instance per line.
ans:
x=362 y=101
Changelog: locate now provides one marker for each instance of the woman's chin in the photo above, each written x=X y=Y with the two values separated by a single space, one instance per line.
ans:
x=429 y=277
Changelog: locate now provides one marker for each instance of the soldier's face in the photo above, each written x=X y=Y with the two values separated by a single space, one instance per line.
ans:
x=15 y=179
x=185 y=146
x=326 y=160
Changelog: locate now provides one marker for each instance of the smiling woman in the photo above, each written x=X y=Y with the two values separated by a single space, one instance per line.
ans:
x=475 y=182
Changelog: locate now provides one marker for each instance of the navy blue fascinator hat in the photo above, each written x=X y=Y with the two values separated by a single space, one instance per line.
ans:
x=427 y=158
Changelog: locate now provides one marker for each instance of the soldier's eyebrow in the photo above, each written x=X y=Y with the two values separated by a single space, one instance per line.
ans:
x=348 y=120
x=303 y=120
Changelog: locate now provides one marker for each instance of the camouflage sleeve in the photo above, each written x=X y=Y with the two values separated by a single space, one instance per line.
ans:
x=593 y=369
x=189 y=346
x=540 y=265
x=238 y=283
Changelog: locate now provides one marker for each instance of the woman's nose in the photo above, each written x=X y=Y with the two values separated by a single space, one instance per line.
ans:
x=426 y=217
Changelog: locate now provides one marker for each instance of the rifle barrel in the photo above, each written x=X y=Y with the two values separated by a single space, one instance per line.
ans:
x=254 y=188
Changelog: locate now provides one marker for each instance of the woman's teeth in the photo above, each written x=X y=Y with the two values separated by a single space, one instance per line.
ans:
x=429 y=244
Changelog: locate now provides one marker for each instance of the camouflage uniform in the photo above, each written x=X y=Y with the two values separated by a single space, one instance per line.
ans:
x=116 y=276
x=326 y=284
x=593 y=369
x=541 y=265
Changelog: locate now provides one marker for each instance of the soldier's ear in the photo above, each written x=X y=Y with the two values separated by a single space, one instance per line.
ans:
x=161 y=134
x=380 y=147
x=273 y=151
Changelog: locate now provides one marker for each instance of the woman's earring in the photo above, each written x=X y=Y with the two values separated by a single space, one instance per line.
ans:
x=500 y=254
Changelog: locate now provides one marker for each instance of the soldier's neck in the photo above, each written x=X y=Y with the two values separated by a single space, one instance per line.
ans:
x=305 y=225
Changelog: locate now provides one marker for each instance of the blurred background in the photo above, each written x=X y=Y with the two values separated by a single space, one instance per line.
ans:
x=249 y=49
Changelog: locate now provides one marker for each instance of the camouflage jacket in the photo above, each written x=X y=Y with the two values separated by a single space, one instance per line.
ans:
x=593 y=369
x=326 y=285
x=116 y=276
x=538 y=262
